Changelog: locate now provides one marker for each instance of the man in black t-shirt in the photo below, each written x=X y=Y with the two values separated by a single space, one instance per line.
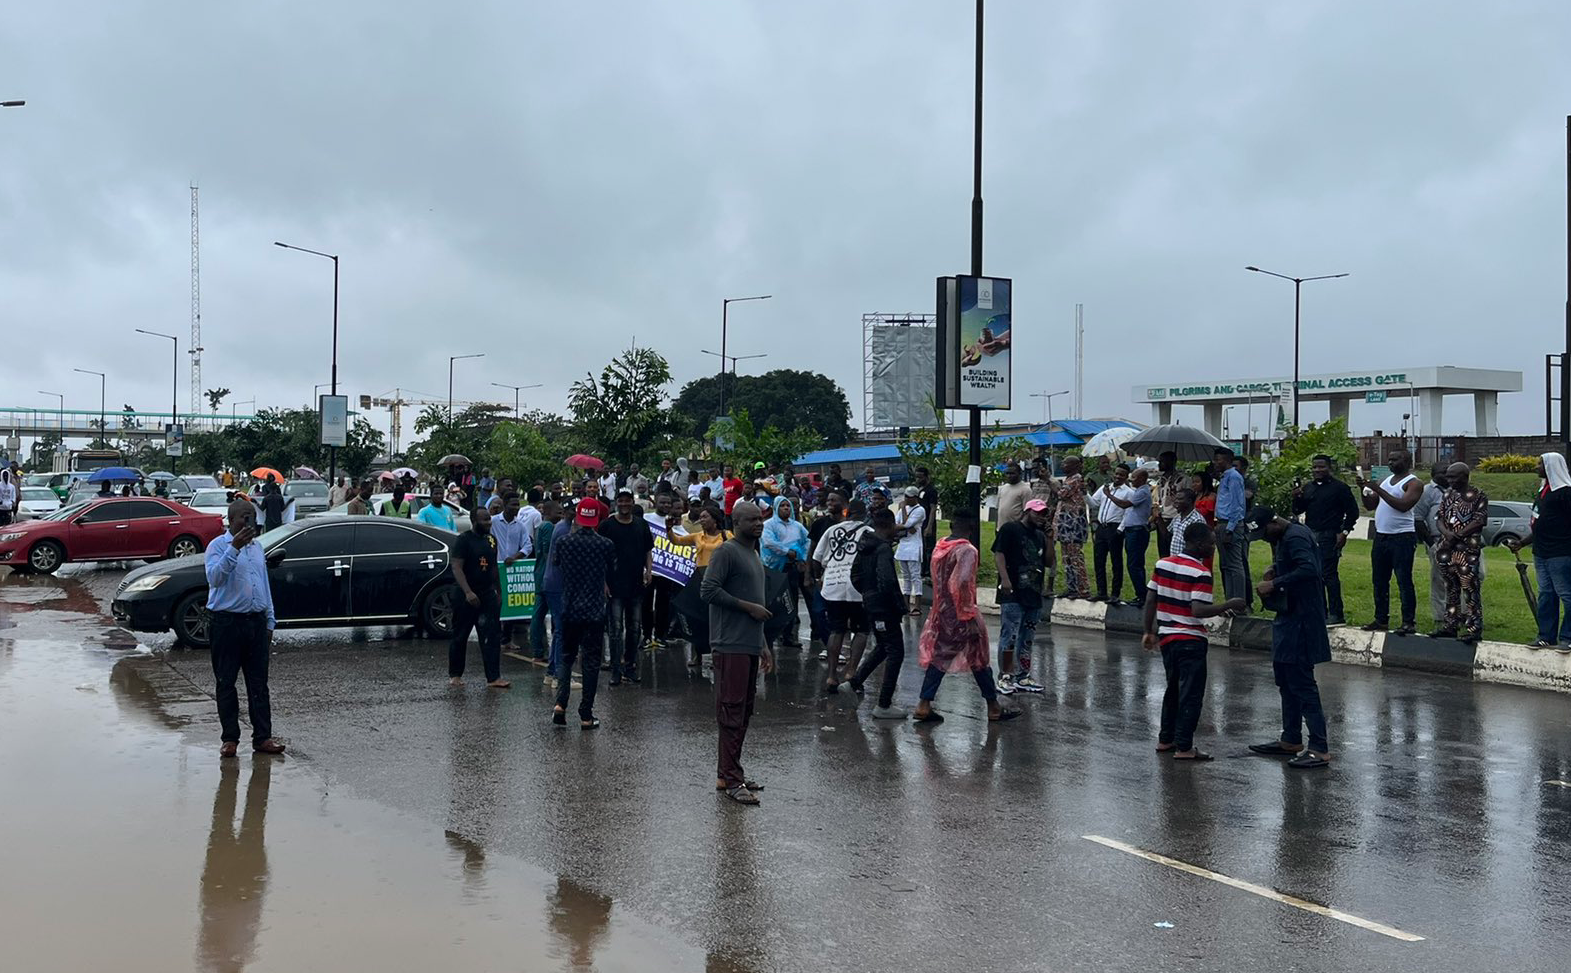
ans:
x=479 y=605
x=629 y=534
x=1019 y=550
x=927 y=496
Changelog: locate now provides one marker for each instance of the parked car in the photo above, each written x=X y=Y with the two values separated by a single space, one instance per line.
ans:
x=63 y=483
x=213 y=500
x=37 y=480
x=108 y=529
x=1509 y=520
x=324 y=572
x=36 y=502
x=416 y=504
x=310 y=496
x=182 y=488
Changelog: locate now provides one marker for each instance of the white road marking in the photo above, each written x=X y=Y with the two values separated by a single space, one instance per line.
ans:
x=1260 y=890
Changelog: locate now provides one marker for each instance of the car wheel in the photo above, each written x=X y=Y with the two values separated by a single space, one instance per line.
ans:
x=184 y=546
x=46 y=557
x=192 y=622
x=436 y=615
x=1502 y=540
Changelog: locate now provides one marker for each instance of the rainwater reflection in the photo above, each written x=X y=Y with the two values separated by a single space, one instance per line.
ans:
x=234 y=875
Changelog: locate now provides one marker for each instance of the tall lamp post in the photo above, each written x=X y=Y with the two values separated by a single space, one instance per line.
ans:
x=725 y=307
x=450 y=361
x=174 y=393
x=103 y=427
x=61 y=417
x=501 y=385
x=1298 y=284
x=974 y=489
x=332 y=451
x=733 y=359
x=1047 y=417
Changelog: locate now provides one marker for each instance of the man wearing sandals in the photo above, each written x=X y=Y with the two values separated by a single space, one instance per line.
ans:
x=1294 y=590
x=733 y=588
x=1176 y=606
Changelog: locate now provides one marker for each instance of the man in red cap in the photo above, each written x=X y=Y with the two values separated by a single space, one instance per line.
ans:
x=585 y=562
x=1020 y=552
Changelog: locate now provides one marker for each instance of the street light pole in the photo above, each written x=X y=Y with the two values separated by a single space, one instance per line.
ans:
x=1298 y=284
x=174 y=393
x=332 y=451
x=500 y=385
x=103 y=426
x=733 y=359
x=974 y=489
x=725 y=307
x=450 y=361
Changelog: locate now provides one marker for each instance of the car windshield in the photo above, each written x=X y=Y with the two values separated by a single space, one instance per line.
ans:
x=38 y=493
x=37 y=479
x=306 y=488
x=68 y=511
x=278 y=535
x=210 y=498
x=201 y=482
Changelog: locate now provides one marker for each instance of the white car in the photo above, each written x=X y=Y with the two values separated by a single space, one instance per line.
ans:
x=36 y=502
x=210 y=501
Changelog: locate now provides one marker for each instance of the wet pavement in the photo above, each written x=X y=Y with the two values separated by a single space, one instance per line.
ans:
x=413 y=824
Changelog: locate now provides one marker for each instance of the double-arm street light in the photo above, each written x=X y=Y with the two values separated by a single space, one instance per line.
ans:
x=725 y=307
x=450 y=361
x=501 y=385
x=332 y=451
x=174 y=392
x=1298 y=284
x=733 y=359
x=103 y=428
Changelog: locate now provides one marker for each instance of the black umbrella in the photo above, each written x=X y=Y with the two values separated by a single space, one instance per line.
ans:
x=454 y=459
x=1191 y=443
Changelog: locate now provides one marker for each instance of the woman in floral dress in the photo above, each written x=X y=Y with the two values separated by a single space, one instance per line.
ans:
x=1072 y=528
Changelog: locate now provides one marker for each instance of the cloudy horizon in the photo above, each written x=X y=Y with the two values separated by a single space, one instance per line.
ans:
x=547 y=184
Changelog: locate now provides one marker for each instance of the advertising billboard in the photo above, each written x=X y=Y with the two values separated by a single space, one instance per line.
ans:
x=984 y=339
x=334 y=410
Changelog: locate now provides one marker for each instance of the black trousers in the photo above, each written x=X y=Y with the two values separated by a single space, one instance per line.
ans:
x=624 y=623
x=241 y=643
x=580 y=640
x=1330 y=559
x=1301 y=704
x=1164 y=541
x=1109 y=543
x=486 y=622
x=889 y=649
x=1185 y=662
x=657 y=609
x=1394 y=553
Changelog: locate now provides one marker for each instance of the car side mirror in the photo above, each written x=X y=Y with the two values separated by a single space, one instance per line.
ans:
x=276 y=556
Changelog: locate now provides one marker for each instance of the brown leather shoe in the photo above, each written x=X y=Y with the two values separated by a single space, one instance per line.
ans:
x=228 y=749
x=268 y=746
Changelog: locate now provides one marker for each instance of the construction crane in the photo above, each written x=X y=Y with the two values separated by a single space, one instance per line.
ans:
x=196 y=310
x=394 y=403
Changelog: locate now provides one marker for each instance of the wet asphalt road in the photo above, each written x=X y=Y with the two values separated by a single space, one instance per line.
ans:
x=963 y=845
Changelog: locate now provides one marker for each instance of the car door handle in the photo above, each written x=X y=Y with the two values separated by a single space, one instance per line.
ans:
x=338 y=568
x=122 y=526
x=431 y=561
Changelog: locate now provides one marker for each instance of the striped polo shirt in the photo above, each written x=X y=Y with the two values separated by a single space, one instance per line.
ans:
x=1178 y=583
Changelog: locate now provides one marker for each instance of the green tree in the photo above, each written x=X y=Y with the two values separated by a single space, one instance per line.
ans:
x=523 y=453
x=468 y=434
x=214 y=397
x=623 y=414
x=947 y=458
x=1292 y=464
x=742 y=443
x=784 y=398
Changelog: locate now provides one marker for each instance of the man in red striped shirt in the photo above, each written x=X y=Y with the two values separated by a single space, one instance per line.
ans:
x=1175 y=614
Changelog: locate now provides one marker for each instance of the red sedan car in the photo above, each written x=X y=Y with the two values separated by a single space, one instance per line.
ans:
x=111 y=529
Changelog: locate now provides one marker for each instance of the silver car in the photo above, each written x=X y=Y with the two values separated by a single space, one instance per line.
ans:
x=1509 y=520
x=310 y=496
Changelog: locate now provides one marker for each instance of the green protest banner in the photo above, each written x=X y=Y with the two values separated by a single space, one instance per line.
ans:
x=518 y=590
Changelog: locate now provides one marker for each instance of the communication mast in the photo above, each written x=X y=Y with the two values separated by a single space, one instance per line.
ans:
x=196 y=309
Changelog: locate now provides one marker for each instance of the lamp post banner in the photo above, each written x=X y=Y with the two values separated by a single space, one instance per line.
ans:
x=335 y=419
x=985 y=340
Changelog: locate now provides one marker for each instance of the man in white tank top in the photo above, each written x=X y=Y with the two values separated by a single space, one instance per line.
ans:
x=1392 y=500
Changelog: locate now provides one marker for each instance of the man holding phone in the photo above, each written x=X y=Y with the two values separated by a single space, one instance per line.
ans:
x=240 y=599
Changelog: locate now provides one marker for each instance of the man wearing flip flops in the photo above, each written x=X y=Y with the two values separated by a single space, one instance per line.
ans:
x=733 y=588
x=1294 y=590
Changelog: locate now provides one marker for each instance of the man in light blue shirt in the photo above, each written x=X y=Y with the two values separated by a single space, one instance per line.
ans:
x=436 y=513
x=1230 y=538
x=240 y=598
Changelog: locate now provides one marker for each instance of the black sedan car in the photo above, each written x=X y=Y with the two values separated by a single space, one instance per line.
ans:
x=325 y=572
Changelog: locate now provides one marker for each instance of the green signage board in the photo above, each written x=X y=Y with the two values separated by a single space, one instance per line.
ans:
x=518 y=590
x=1374 y=397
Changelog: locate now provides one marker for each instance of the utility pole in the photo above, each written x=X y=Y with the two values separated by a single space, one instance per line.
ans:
x=974 y=489
x=195 y=350
x=1565 y=371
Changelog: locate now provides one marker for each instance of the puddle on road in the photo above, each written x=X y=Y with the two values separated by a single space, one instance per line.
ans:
x=173 y=859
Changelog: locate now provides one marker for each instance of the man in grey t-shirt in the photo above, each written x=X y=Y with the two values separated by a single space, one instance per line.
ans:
x=733 y=588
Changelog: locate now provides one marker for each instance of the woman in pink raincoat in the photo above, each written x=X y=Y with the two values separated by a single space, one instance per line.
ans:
x=954 y=639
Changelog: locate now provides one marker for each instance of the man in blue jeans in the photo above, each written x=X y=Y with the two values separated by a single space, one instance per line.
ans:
x=1550 y=539
x=1019 y=550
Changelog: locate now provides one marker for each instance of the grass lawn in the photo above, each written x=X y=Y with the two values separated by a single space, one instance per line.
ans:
x=1506 y=615
x=1507 y=486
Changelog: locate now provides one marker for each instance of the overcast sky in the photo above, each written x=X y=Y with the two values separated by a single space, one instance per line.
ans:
x=546 y=182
